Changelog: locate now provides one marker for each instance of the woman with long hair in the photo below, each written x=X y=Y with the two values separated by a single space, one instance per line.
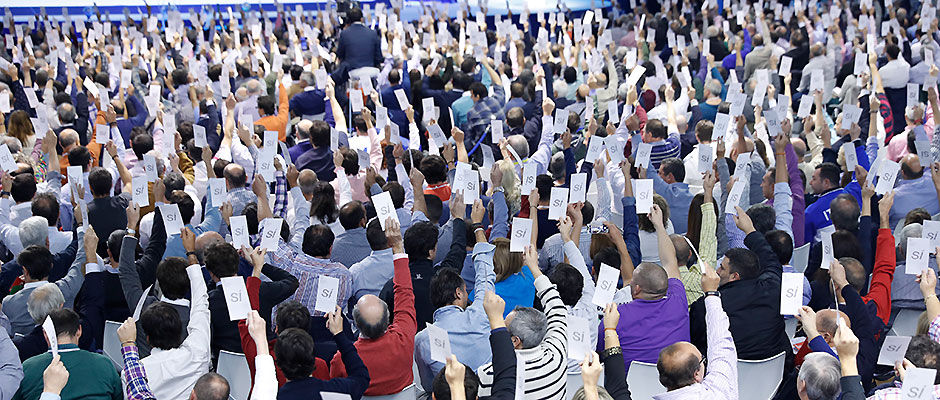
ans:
x=504 y=175
x=21 y=128
x=323 y=209
x=514 y=284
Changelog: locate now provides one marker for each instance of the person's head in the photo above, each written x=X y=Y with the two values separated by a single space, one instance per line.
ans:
x=911 y=167
x=354 y=15
x=763 y=217
x=672 y=170
x=420 y=240
x=505 y=263
x=99 y=181
x=649 y=282
x=819 y=377
x=291 y=314
x=892 y=51
x=569 y=282
x=352 y=215
x=161 y=324
x=44 y=300
x=703 y=131
x=141 y=144
x=844 y=212
x=172 y=277
x=221 y=260
x=68 y=139
x=234 y=175
x=557 y=166
x=265 y=105
x=210 y=386
x=519 y=144
x=855 y=273
x=46 y=205
x=68 y=327
x=644 y=221
x=294 y=352
x=527 y=327
x=738 y=264
x=66 y=113
x=34 y=231
x=478 y=91
x=441 y=389
x=515 y=117
x=185 y=204
x=24 y=187
x=318 y=241
x=36 y=262
x=827 y=322
x=654 y=131
x=434 y=169
x=924 y=353
x=825 y=177
x=448 y=288
x=683 y=251
x=320 y=134
x=376 y=236
x=782 y=245
x=203 y=241
x=680 y=364
x=371 y=316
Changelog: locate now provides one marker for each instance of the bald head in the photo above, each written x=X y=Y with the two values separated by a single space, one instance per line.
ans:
x=683 y=251
x=371 y=316
x=649 y=281
x=799 y=146
x=303 y=128
x=827 y=321
x=583 y=91
x=910 y=166
x=205 y=240
x=307 y=180
x=68 y=138
x=679 y=365
x=234 y=176
x=519 y=144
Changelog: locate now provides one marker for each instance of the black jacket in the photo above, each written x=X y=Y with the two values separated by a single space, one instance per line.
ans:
x=753 y=308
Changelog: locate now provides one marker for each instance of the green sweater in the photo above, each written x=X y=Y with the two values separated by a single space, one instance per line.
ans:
x=91 y=376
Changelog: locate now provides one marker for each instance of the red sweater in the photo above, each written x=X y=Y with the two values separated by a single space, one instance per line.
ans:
x=389 y=357
x=321 y=370
x=879 y=289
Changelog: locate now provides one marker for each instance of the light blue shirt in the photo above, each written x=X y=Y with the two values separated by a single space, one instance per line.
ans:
x=461 y=107
x=371 y=274
x=351 y=247
x=468 y=329
x=914 y=193
x=677 y=196
x=212 y=222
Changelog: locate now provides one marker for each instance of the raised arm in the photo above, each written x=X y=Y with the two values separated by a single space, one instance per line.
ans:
x=667 y=252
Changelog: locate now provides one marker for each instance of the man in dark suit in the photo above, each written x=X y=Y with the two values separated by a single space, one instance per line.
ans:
x=358 y=47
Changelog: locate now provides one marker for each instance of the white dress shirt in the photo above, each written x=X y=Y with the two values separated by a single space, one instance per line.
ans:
x=895 y=74
x=173 y=373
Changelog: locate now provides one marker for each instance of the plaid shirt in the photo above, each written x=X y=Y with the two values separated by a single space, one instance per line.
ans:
x=135 y=375
x=280 y=195
x=308 y=270
x=482 y=112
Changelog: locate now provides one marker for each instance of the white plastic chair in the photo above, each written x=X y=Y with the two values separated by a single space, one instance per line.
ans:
x=364 y=72
x=234 y=368
x=407 y=393
x=905 y=323
x=643 y=380
x=790 y=327
x=112 y=345
x=800 y=258
x=760 y=379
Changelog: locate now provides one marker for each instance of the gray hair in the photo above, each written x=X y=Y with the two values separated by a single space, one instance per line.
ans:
x=68 y=137
x=529 y=325
x=253 y=87
x=34 y=231
x=44 y=300
x=713 y=87
x=14 y=143
x=66 y=112
x=907 y=232
x=821 y=374
x=519 y=144
x=307 y=78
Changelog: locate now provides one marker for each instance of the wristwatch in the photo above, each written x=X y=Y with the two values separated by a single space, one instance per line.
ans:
x=713 y=293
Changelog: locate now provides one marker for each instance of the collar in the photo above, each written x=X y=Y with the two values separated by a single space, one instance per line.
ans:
x=449 y=309
x=20 y=206
x=438 y=186
x=67 y=348
x=30 y=285
x=382 y=252
x=177 y=302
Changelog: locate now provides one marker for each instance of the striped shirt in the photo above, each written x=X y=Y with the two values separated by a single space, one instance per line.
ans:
x=307 y=270
x=545 y=364
x=664 y=149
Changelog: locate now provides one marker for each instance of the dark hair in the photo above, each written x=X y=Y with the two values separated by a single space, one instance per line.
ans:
x=66 y=321
x=141 y=144
x=172 y=277
x=161 y=323
x=607 y=255
x=211 y=386
x=434 y=205
x=855 y=273
x=471 y=385
x=763 y=216
x=292 y=314
x=544 y=184
x=46 y=205
x=351 y=214
x=221 y=260
x=744 y=262
x=569 y=282
x=114 y=242
x=443 y=284
x=235 y=176
x=675 y=167
x=174 y=181
x=180 y=76
x=893 y=51
x=375 y=235
x=185 y=203
x=830 y=172
x=922 y=352
x=844 y=212
x=318 y=240
x=397 y=192
x=80 y=156
x=684 y=372
x=515 y=117
x=24 y=187
x=320 y=134
x=420 y=239
x=656 y=129
x=294 y=351
x=354 y=14
x=781 y=243
x=350 y=162
x=371 y=330
x=845 y=244
x=323 y=202
x=37 y=260
x=478 y=89
x=266 y=105
x=99 y=181
x=434 y=169
x=703 y=130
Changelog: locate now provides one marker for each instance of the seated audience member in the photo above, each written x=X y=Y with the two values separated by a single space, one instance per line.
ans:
x=308 y=263
x=352 y=245
x=371 y=274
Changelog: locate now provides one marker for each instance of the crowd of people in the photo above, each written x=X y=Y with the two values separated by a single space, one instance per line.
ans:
x=472 y=204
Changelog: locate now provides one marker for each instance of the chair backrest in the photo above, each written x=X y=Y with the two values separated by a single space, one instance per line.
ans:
x=407 y=393
x=234 y=368
x=112 y=345
x=905 y=323
x=790 y=327
x=643 y=380
x=800 y=258
x=760 y=379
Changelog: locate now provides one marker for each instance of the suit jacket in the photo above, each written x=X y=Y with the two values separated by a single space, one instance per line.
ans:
x=61 y=262
x=225 y=331
x=106 y=215
x=308 y=102
x=757 y=59
x=359 y=47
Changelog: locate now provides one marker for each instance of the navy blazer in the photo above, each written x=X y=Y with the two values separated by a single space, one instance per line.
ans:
x=359 y=47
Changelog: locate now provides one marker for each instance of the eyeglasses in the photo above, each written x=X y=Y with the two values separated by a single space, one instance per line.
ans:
x=702 y=362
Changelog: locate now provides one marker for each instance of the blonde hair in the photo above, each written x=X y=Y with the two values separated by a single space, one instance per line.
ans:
x=505 y=263
x=510 y=184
